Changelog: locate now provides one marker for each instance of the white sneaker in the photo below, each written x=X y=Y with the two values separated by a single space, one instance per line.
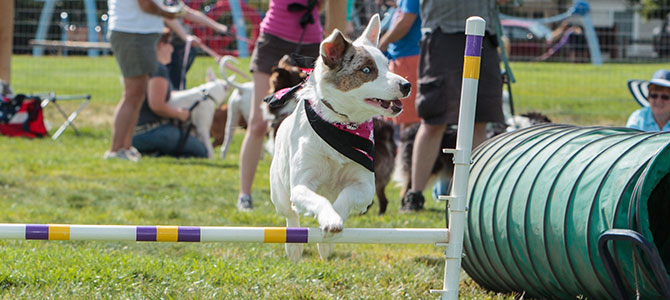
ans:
x=121 y=154
x=134 y=152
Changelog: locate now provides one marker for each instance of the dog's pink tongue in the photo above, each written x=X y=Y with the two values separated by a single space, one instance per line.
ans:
x=397 y=106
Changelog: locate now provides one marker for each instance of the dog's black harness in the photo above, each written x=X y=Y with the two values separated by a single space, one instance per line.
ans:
x=188 y=126
x=357 y=148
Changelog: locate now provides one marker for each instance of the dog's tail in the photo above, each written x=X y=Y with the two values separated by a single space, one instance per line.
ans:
x=226 y=62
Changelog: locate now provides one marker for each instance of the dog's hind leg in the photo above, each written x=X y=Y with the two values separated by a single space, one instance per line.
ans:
x=293 y=250
x=381 y=196
x=280 y=198
x=231 y=122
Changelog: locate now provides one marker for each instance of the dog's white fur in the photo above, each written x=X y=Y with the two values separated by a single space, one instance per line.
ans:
x=239 y=105
x=203 y=113
x=306 y=173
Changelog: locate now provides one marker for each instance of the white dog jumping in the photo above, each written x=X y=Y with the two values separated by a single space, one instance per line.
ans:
x=323 y=150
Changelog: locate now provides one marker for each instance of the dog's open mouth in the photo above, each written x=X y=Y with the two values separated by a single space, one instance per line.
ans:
x=394 y=105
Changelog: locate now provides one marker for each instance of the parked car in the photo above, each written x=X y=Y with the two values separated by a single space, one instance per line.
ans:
x=528 y=40
x=661 y=39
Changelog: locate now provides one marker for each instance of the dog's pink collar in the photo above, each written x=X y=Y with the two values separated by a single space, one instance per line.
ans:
x=363 y=130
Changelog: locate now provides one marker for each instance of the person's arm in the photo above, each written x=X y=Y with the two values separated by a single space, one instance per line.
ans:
x=179 y=30
x=156 y=93
x=151 y=7
x=401 y=26
x=196 y=16
x=336 y=15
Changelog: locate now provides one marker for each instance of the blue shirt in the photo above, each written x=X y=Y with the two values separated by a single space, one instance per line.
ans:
x=409 y=44
x=643 y=119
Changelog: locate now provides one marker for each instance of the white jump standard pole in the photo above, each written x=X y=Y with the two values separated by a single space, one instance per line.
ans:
x=474 y=31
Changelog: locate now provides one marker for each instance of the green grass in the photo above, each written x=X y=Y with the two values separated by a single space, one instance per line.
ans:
x=66 y=181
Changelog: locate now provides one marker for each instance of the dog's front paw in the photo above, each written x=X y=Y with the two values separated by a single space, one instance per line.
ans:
x=294 y=251
x=331 y=222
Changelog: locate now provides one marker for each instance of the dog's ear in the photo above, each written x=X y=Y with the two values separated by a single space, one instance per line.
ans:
x=211 y=76
x=285 y=62
x=371 y=33
x=333 y=49
x=231 y=78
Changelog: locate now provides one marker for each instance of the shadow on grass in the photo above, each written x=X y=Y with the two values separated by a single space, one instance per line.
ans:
x=204 y=163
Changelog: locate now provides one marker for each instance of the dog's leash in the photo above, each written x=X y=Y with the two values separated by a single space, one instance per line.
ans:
x=187 y=52
x=296 y=58
x=183 y=134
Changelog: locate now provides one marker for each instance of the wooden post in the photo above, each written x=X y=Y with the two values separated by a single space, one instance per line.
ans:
x=6 y=36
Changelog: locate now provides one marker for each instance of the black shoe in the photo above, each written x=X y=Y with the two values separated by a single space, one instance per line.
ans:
x=245 y=203
x=413 y=201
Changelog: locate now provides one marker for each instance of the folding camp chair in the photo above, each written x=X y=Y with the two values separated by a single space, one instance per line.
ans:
x=69 y=119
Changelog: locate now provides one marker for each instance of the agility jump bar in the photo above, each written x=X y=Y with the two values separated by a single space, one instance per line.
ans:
x=221 y=234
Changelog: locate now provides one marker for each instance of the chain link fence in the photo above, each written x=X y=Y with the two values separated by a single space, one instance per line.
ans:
x=571 y=60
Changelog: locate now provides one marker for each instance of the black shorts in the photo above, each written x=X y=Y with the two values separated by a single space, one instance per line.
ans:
x=269 y=50
x=441 y=76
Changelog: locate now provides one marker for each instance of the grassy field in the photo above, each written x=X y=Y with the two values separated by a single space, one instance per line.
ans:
x=66 y=181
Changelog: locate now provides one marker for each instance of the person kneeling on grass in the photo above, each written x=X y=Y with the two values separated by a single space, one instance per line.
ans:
x=158 y=131
x=656 y=115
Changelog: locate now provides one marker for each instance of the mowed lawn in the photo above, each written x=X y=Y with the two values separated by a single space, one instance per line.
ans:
x=67 y=182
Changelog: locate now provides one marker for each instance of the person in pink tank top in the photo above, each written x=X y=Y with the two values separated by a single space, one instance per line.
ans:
x=281 y=34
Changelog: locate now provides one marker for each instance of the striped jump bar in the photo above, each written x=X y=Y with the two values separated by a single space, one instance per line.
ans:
x=221 y=234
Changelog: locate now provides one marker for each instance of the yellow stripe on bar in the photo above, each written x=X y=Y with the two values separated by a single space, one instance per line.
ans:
x=275 y=235
x=471 y=67
x=167 y=233
x=59 y=232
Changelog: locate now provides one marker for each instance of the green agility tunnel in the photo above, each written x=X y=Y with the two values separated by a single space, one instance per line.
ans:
x=540 y=198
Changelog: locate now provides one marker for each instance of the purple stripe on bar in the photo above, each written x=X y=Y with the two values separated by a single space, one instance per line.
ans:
x=296 y=235
x=37 y=232
x=188 y=234
x=145 y=234
x=473 y=45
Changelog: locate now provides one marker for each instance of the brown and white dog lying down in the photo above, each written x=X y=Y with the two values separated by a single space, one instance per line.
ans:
x=285 y=75
x=322 y=164
x=443 y=168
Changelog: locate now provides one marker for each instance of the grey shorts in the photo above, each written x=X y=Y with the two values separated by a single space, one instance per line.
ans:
x=441 y=76
x=269 y=50
x=135 y=53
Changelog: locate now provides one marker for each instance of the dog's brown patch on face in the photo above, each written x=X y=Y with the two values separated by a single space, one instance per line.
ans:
x=357 y=68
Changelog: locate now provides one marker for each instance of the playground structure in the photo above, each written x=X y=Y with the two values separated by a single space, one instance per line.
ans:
x=96 y=31
x=452 y=238
x=580 y=9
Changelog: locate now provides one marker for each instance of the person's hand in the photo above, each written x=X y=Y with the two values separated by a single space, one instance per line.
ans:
x=382 y=46
x=195 y=41
x=183 y=115
x=223 y=29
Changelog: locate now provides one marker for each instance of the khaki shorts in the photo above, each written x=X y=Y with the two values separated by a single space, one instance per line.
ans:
x=269 y=50
x=441 y=76
x=135 y=53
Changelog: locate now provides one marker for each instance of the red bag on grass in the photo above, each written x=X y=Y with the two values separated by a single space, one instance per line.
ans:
x=22 y=116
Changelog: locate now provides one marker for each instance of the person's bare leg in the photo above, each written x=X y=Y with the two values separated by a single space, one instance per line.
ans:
x=127 y=111
x=252 y=146
x=478 y=134
x=426 y=148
